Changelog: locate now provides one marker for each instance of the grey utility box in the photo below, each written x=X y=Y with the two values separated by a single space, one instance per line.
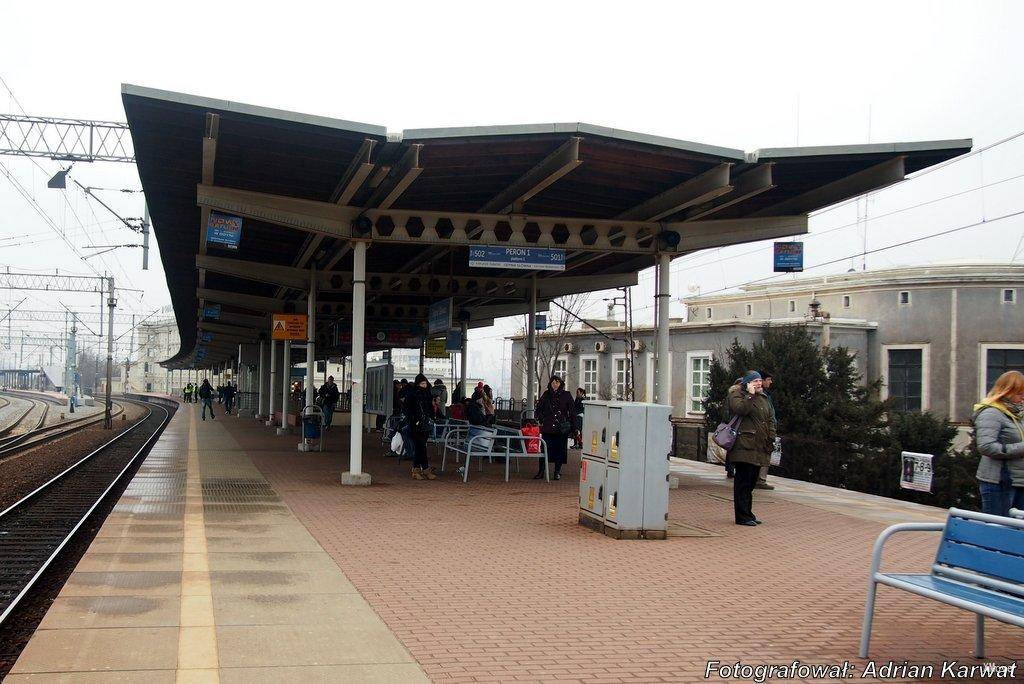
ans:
x=624 y=468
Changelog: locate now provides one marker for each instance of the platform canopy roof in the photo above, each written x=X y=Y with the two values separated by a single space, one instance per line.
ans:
x=306 y=186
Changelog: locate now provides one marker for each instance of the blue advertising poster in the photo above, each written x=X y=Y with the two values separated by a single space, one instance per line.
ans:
x=520 y=258
x=224 y=230
x=789 y=257
x=453 y=343
x=206 y=337
x=211 y=311
x=439 y=317
x=542 y=322
x=200 y=353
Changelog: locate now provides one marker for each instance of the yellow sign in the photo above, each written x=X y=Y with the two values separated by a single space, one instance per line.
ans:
x=593 y=442
x=590 y=498
x=436 y=349
x=614 y=449
x=288 y=327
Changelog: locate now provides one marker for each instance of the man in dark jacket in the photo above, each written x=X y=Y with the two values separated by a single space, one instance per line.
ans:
x=206 y=394
x=229 y=397
x=329 y=395
x=754 y=440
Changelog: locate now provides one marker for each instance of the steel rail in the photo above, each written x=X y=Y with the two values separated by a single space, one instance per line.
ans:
x=143 y=449
x=38 y=436
x=33 y=404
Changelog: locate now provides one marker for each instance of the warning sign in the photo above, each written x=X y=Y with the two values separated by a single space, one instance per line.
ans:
x=288 y=327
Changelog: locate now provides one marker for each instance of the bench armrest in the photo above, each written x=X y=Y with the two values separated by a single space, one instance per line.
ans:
x=876 y=554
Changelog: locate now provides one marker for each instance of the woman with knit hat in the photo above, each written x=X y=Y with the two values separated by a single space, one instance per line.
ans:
x=755 y=437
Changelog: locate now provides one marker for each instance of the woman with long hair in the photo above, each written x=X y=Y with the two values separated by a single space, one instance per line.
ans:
x=555 y=412
x=999 y=439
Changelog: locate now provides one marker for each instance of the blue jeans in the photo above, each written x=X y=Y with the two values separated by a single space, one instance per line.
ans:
x=207 y=404
x=998 y=499
x=408 y=446
x=328 y=414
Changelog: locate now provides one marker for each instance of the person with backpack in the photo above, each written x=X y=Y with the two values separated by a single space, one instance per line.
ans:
x=755 y=437
x=417 y=404
x=329 y=396
x=206 y=394
x=999 y=439
x=555 y=412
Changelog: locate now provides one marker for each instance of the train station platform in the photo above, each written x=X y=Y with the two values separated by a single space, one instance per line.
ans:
x=231 y=557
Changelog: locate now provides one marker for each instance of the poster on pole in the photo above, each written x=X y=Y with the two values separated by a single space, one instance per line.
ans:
x=517 y=258
x=439 y=316
x=435 y=349
x=917 y=472
x=789 y=257
x=224 y=230
x=288 y=327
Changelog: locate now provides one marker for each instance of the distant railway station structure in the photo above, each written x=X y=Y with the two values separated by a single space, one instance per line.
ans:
x=373 y=233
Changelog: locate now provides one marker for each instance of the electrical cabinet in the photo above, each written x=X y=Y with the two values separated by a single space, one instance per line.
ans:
x=624 y=468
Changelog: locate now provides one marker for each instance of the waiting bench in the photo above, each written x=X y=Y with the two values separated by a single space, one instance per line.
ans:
x=490 y=442
x=979 y=567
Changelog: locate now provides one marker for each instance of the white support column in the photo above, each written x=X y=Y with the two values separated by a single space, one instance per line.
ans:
x=310 y=348
x=261 y=389
x=286 y=381
x=355 y=475
x=531 y=350
x=663 y=386
x=273 y=383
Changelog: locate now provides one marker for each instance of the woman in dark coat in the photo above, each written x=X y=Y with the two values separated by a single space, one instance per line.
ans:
x=555 y=412
x=755 y=439
x=417 y=404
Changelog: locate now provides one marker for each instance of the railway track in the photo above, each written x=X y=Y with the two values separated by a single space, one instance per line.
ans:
x=34 y=530
x=26 y=418
x=46 y=433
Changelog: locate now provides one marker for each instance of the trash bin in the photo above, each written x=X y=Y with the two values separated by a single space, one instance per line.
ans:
x=312 y=419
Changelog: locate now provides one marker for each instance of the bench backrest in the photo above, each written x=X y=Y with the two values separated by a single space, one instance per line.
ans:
x=985 y=549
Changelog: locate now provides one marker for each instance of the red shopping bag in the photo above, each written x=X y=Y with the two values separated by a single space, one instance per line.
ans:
x=532 y=445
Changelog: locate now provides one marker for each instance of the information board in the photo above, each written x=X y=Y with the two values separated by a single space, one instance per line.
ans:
x=288 y=327
x=917 y=472
x=436 y=349
x=518 y=258
x=789 y=257
x=541 y=322
x=439 y=317
x=224 y=230
x=453 y=342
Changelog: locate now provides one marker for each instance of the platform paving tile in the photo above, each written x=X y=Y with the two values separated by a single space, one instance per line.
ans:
x=202 y=574
x=119 y=677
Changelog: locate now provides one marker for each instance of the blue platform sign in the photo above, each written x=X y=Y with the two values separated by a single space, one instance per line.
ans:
x=453 y=342
x=206 y=337
x=211 y=311
x=439 y=317
x=541 y=322
x=519 y=258
x=224 y=230
x=789 y=257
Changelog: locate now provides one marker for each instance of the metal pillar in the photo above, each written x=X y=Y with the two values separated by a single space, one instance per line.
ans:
x=310 y=348
x=663 y=386
x=464 y=358
x=531 y=350
x=261 y=392
x=111 y=303
x=355 y=474
x=286 y=381
x=273 y=381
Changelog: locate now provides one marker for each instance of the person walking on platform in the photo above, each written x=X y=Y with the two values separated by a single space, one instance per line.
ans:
x=999 y=439
x=766 y=384
x=417 y=405
x=229 y=397
x=206 y=394
x=555 y=412
x=577 y=415
x=189 y=391
x=754 y=440
x=329 y=395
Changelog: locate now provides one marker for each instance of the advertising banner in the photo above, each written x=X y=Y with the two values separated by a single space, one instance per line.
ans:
x=211 y=312
x=436 y=349
x=917 y=472
x=224 y=230
x=789 y=257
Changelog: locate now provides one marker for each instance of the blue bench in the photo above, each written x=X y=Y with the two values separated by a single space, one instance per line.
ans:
x=979 y=567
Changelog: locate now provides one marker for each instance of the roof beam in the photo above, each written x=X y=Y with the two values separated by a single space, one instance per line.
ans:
x=247 y=301
x=355 y=174
x=872 y=178
x=225 y=329
x=209 y=161
x=550 y=169
x=400 y=178
x=711 y=184
x=737 y=231
x=755 y=181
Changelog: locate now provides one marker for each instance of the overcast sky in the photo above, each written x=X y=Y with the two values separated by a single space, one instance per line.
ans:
x=743 y=75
